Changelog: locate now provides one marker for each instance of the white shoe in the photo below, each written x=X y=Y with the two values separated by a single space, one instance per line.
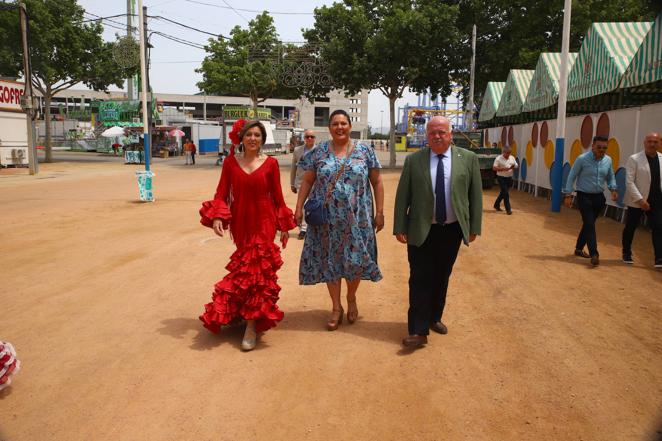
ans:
x=250 y=338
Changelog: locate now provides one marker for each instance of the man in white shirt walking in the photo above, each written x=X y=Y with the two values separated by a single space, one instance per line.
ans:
x=643 y=194
x=296 y=172
x=504 y=165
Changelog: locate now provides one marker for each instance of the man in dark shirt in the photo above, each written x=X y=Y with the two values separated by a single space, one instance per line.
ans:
x=644 y=195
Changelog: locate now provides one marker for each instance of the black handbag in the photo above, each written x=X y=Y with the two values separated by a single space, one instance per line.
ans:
x=315 y=210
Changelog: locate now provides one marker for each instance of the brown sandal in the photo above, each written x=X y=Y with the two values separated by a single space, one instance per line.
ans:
x=335 y=320
x=352 y=311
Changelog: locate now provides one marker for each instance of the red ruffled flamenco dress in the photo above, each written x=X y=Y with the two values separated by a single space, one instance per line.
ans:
x=9 y=364
x=253 y=207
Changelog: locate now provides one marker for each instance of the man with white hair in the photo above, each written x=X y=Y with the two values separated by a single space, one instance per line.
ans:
x=504 y=165
x=438 y=205
x=643 y=194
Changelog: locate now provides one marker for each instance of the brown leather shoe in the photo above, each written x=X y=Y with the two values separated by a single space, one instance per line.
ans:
x=414 y=341
x=439 y=327
x=582 y=253
x=595 y=260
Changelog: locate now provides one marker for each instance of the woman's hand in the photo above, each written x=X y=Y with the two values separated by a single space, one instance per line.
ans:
x=284 y=237
x=217 y=226
x=298 y=216
x=379 y=222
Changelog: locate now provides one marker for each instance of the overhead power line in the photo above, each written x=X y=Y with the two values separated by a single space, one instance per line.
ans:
x=159 y=17
x=235 y=11
x=179 y=40
x=248 y=10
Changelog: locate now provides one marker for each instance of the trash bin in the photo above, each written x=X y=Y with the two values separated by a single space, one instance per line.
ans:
x=145 y=185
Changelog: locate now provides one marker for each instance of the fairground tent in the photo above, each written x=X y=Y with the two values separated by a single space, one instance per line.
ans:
x=644 y=74
x=515 y=92
x=605 y=54
x=491 y=99
x=544 y=90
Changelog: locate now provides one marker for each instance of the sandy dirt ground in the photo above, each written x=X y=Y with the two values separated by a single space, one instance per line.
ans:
x=101 y=294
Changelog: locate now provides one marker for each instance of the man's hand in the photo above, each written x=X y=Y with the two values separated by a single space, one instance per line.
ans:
x=614 y=195
x=567 y=200
x=402 y=238
x=294 y=189
x=472 y=237
x=644 y=205
x=298 y=216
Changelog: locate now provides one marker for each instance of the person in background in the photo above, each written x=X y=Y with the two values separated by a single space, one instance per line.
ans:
x=504 y=164
x=591 y=170
x=296 y=172
x=643 y=195
x=194 y=150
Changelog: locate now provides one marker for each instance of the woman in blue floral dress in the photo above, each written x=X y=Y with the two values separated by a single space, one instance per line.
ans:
x=346 y=247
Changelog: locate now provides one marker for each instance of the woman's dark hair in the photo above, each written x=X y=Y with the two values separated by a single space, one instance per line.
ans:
x=253 y=123
x=339 y=112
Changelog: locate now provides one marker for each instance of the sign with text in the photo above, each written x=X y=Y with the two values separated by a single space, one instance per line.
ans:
x=10 y=95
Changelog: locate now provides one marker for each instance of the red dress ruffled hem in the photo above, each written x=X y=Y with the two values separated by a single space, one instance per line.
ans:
x=9 y=364
x=249 y=291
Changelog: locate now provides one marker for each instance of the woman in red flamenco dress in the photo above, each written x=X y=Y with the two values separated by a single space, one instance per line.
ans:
x=249 y=201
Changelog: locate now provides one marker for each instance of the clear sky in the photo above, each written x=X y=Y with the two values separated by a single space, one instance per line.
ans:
x=174 y=64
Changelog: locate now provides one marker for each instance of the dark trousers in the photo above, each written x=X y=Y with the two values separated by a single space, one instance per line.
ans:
x=504 y=183
x=193 y=158
x=590 y=206
x=654 y=222
x=430 y=267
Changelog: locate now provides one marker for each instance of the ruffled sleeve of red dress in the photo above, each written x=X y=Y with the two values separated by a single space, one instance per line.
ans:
x=219 y=207
x=284 y=216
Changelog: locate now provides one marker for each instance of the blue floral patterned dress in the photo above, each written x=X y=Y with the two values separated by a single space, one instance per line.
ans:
x=346 y=247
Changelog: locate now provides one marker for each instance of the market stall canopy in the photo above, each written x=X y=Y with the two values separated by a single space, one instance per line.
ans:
x=605 y=54
x=646 y=65
x=515 y=92
x=113 y=132
x=544 y=90
x=491 y=99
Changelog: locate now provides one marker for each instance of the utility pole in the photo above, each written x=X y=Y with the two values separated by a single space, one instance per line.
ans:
x=557 y=167
x=147 y=126
x=470 y=109
x=28 y=100
x=129 y=32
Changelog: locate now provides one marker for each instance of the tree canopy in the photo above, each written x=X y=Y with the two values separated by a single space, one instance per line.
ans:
x=389 y=46
x=246 y=64
x=511 y=34
x=64 y=51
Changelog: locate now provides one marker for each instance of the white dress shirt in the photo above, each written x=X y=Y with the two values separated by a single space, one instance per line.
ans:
x=448 y=162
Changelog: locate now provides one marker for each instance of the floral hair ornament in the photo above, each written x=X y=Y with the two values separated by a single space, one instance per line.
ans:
x=236 y=130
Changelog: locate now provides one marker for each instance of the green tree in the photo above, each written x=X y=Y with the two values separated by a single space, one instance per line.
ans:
x=511 y=34
x=387 y=45
x=64 y=51
x=246 y=64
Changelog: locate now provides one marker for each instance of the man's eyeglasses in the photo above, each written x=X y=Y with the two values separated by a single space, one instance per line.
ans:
x=309 y=136
x=597 y=147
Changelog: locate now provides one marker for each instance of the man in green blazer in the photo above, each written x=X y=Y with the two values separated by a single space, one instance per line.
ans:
x=438 y=205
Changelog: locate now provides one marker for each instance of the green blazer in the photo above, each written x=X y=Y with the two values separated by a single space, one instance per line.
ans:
x=414 y=201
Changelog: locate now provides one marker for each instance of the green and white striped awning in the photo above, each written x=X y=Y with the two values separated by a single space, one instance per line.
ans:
x=514 y=94
x=605 y=54
x=544 y=90
x=491 y=99
x=646 y=65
